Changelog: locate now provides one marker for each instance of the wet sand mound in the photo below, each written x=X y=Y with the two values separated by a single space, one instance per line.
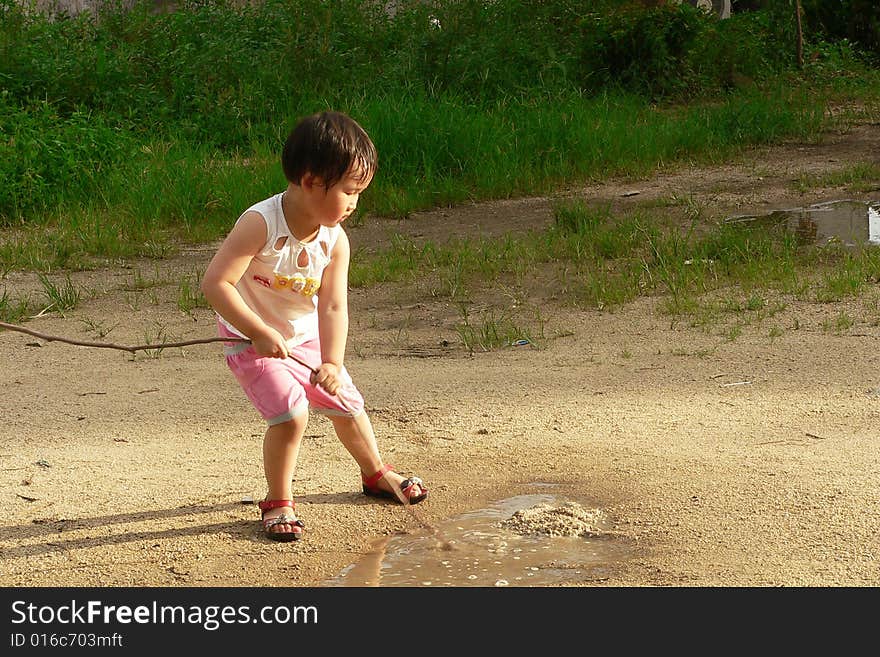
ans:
x=568 y=519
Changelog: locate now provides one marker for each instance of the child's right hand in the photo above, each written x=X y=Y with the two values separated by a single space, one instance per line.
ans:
x=270 y=343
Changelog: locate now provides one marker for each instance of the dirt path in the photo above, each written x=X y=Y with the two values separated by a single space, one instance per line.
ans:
x=751 y=462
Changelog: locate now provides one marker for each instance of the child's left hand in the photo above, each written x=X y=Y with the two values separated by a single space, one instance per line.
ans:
x=327 y=376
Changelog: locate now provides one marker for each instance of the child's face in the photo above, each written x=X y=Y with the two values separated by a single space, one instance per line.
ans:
x=335 y=204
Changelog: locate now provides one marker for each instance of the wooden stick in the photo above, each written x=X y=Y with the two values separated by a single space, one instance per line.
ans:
x=111 y=345
x=132 y=349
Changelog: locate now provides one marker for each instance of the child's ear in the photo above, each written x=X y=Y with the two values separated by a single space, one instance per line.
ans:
x=310 y=181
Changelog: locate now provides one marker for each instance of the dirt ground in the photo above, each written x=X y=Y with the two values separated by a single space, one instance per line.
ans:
x=745 y=462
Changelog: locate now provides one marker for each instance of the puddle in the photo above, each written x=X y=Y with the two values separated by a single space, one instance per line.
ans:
x=487 y=550
x=852 y=223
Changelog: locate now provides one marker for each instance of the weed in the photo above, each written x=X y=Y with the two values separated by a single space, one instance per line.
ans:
x=189 y=294
x=61 y=297
x=13 y=309
x=400 y=338
x=859 y=177
x=493 y=330
x=840 y=324
x=156 y=336
x=99 y=328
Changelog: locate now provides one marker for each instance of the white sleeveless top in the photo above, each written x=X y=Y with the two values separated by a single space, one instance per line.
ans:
x=281 y=281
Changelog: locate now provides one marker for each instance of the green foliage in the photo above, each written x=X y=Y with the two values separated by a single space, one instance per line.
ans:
x=60 y=297
x=13 y=309
x=490 y=50
x=170 y=123
x=642 y=50
x=854 y=20
x=491 y=331
x=738 y=52
x=826 y=24
x=46 y=157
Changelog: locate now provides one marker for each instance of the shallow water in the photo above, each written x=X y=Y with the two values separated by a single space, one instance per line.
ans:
x=483 y=554
x=852 y=223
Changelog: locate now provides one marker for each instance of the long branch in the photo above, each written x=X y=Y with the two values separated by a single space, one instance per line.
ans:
x=111 y=345
x=131 y=349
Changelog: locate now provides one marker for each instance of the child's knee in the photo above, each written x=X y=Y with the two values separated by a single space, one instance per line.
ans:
x=289 y=428
x=348 y=427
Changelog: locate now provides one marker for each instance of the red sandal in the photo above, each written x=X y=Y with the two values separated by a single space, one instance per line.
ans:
x=370 y=487
x=283 y=519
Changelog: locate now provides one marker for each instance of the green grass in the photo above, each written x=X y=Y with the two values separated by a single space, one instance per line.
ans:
x=723 y=277
x=860 y=177
x=132 y=135
x=494 y=329
x=189 y=294
x=138 y=134
x=840 y=324
x=98 y=328
x=602 y=260
x=437 y=152
x=60 y=297
x=14 y=309
x=156 y=335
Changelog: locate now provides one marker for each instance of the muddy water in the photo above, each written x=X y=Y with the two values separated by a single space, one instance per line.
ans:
x=484 y=553
x=852 y=223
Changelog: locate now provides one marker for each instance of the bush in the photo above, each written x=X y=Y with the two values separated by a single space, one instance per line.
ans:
x=855 y=20
x=81 y=94
x=45 y=156
x=647 y=51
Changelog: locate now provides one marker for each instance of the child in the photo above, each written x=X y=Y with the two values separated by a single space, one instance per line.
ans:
x=280 y=279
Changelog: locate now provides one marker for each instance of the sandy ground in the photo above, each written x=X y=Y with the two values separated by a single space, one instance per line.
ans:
x=745 y=462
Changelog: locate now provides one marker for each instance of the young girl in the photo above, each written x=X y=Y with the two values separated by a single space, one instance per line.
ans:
x=280 y=279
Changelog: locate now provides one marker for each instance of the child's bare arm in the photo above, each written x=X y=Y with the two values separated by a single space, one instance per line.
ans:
x=218 y=285
x=333 y=315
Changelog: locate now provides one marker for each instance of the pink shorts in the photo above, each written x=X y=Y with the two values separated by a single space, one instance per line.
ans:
x=280 y=389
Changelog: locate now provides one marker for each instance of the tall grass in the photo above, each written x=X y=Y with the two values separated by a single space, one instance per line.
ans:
x=180 y=191
x=127 y=134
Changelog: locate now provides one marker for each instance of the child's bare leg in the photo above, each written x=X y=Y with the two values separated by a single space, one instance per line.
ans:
x=356 y=435
x=280 y=451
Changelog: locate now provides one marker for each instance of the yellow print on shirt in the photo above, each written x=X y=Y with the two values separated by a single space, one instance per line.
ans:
x=311 y=286
x=297 y=283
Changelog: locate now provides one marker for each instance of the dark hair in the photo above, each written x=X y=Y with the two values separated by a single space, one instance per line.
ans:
x=328 y=145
